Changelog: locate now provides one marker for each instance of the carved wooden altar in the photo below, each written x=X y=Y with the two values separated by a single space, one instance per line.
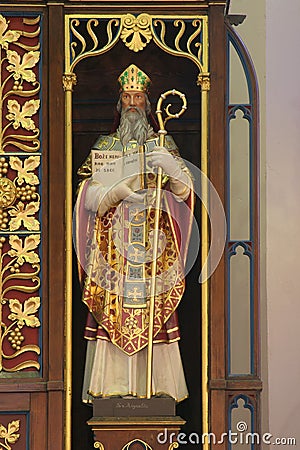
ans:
x=49 y=54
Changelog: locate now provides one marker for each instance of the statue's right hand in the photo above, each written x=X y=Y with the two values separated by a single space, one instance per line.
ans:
x=100 y=198
x=122 y=191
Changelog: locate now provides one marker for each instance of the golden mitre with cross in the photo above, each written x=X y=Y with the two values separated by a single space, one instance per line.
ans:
x=134 y=79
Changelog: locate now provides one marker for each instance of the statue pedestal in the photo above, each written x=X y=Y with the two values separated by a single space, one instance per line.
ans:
x=135 y=424
x=136 y=433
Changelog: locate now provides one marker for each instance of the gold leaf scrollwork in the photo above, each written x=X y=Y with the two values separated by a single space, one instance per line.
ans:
x=24 y=253
x=21 y=115
x=24 y=170
x=7 y=36
x=80 y=49
x=21 y=69
x=137 y=441
x=136 y=32
x=7 y=192
x=99 y=445
x=189 y=40
x=185 y=44
x=9 y=434
x=19 y=59
x=173 y=445
x=22 y=213
x=22 y=313
x=19 y=198
x=23 y=187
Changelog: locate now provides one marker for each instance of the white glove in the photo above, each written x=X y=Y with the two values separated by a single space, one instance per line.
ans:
x=160 y=157
x=93 y=195
x=100 y=198
x=121 y=191
x=180 y=182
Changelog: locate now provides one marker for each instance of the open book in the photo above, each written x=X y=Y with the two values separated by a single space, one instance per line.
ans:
x=115 y=165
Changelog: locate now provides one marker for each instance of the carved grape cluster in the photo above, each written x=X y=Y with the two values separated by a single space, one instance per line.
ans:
x=17 y=86
x=26 y=192
x=3 y=167
x=3 y=219
x=19 y=197
x=16 y=338
x=2 y=240
x=15 y=268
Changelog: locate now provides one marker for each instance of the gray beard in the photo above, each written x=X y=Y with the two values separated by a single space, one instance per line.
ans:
x=133 y=126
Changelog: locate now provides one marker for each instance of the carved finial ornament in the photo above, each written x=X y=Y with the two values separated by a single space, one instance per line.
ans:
x=69 y=80
x=204 y=81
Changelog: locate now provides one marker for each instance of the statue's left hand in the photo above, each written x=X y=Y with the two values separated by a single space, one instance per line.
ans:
x=180 y=182
x=160 y=157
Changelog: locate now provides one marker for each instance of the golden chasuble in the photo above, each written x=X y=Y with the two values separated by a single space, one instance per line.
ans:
x=118 y=261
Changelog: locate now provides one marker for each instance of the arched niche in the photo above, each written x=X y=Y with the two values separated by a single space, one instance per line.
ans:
x=174 y=53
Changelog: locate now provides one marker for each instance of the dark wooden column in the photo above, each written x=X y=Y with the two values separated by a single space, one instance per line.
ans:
x=56 y=168
x=217 y=168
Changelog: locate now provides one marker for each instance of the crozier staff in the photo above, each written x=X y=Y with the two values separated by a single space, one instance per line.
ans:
x=114 y=228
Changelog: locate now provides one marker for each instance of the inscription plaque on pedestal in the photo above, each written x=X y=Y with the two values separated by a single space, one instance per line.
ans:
x=139 y=407
x=134 y=423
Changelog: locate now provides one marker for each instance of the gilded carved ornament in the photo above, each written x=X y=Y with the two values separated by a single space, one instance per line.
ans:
x=98 y=445
x=18 y=79
x=21 y=253
x=136 y=32
x=129 y=445
x=204 y=81
x=9 y=435
x=19 y=197
x=95 y=36
x=69 y=80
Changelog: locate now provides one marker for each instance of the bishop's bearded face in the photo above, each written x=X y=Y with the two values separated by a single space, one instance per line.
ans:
x=133 y=123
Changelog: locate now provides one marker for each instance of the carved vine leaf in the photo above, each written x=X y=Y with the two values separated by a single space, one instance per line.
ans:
x=7 y=36
x=21 y=116
x=10 y=434
x=21 y=69
x=24 y=253
x=24 y=314
x=3 y=431
x=30 y=163
x=23 y=213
